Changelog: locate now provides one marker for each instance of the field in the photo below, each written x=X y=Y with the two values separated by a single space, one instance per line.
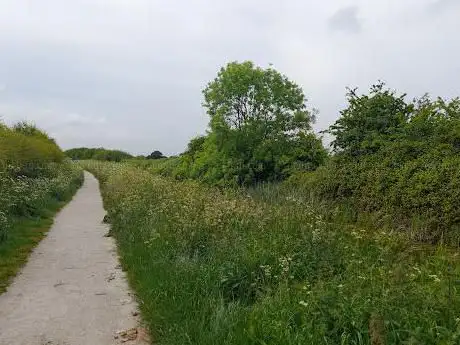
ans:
x=226 y=266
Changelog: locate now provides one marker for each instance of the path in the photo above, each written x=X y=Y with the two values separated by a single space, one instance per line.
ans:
x=72 y=291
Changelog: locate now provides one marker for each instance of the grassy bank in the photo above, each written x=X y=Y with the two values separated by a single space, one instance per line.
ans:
x=25 y=231
x=214 y=267
x=35 y=181
x=24 y=235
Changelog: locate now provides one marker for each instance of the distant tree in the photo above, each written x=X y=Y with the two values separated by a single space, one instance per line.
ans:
x=102 y=154
x=155 y=155
x=112 y=155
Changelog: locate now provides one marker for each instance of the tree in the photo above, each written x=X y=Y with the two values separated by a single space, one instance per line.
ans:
x=397 y=159
x=195 y=145
x=369 y=121
x=155 y=155
x=243 y=95
x=258 y=122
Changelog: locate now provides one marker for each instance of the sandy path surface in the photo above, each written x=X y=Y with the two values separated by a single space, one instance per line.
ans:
x=72 y=291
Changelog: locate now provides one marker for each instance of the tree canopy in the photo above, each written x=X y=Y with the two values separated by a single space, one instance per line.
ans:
x=397 y=157
x=259 y=128
x=369 y=120
x=155 y=155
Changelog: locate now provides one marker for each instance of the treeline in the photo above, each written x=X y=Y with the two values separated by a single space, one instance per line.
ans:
x=393 y=158
x=100 y=154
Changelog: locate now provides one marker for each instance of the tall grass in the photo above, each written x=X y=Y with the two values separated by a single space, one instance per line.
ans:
x=34 y=182
x=32 y=174
x=224 y=267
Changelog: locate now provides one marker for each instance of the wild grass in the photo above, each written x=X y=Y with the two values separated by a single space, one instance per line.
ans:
x=35 y=181
x=213 y=266
x=32 y=208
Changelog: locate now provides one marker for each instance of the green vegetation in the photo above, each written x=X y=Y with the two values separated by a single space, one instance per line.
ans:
x=27 y=151
x=259 y=130
x=349 y=247
x=100 y=154
x=35 y=180
x=214 y=266
x=155 y=155
x=394 y=162
x=398 y=161
x=25 y=233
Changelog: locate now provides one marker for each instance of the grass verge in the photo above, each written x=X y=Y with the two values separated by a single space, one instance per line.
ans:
x=221 y=267
x=25 y=234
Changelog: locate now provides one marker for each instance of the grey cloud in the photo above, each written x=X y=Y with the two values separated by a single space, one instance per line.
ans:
x=76 y=119
x=346 y=19
x=128 y=74
x=439 y=6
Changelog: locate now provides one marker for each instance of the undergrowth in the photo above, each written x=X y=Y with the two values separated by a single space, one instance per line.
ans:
x=35 y=180
x=213 y=266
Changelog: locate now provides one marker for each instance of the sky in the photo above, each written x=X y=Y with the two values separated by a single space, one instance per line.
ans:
x=128 y=74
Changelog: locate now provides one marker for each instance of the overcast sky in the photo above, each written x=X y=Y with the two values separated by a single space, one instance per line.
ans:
x=128 y=74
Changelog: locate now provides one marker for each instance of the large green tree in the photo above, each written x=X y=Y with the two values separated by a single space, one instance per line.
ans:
x=260 y=127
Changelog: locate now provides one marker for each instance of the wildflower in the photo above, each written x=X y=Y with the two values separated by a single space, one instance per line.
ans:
x=435 y=278
x=303 y=303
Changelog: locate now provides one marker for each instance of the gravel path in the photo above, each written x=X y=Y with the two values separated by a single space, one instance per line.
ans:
x=72 y=291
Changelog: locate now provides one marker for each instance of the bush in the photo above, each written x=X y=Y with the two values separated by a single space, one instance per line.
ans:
x=32 y=174
x=404 y=171
x=28 y=150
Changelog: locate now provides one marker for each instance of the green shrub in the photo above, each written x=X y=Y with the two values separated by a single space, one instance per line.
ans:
x=32 y=174
x=403 y=171
x=26 y=151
